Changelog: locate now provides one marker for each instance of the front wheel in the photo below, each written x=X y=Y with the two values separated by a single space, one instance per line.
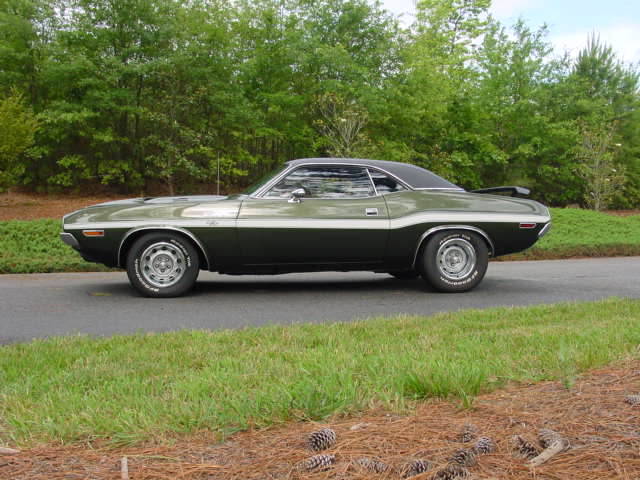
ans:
x=454 y=261
x=162 y=264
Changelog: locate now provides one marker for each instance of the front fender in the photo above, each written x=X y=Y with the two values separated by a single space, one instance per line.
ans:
x=131 y=235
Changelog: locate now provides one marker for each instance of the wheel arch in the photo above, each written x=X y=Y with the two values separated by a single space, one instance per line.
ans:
x=441 y=228
x=132 y=235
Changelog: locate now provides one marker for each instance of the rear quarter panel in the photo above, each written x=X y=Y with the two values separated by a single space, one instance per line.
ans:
x=414 y=213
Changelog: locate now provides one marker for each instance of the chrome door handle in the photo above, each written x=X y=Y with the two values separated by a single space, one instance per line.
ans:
x=371 y=212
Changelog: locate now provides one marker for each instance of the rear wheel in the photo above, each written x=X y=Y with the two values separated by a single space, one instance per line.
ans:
x=454 y=261
x=162 y=264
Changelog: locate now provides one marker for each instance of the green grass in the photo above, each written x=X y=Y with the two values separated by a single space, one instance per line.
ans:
x=585 y=233
x=135 y=387
x=34 y=246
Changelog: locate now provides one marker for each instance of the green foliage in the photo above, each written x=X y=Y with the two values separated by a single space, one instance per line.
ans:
x=608 y=106
x=340 y=124
x=575 y=227
x=450 y=27
x=35 y=247
x=134 y=94
x=18 y=126
x=587 y=233
x=129 y=388
x=596 y=166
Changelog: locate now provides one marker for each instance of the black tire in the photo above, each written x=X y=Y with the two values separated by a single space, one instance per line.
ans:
x=160 y=250
x=439 y=261
x=404 y=275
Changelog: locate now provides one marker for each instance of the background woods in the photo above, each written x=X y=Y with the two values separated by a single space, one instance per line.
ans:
x=140 y=96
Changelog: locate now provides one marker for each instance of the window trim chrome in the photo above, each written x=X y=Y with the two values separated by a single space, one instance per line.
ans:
x=384 y=172
x=259 y=194
x=441 y=228
x=373 y=184
x=455 y=189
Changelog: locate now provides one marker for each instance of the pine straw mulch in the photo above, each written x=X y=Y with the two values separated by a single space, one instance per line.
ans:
x=604 y=432
x=26 y=206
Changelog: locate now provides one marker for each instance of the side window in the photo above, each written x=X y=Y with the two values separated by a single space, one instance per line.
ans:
x=325 y=182
x=384 y=183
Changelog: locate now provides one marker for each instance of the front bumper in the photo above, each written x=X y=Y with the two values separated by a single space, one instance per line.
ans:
x=69 y=240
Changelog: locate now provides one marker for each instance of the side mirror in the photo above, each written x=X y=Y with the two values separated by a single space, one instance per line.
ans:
x=297 y=195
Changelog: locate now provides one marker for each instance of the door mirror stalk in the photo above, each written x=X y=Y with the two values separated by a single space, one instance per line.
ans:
x=297 y=195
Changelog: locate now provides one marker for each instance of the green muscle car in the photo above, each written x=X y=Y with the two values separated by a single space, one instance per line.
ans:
x=312 y=215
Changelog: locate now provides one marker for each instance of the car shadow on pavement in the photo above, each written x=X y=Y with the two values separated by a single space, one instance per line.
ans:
x=234 y=285
x=238 y=284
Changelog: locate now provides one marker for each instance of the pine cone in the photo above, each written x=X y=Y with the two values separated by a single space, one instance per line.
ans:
x=484 y=446
x=468 y=433
x=451 y=472
x=547 y=436
x=525 y=448
x=318 y=462
x=464 y=457
x=373 y=465
x=416 y=467
x=321 y=439
x=633 y=400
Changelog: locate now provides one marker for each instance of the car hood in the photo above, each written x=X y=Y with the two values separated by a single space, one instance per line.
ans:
x=162 y=200
x=155 y=209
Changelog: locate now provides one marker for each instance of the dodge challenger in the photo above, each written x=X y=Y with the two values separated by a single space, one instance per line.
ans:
x=318 y=214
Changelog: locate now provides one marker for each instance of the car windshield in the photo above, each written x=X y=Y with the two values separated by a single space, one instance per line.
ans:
x=264 y=179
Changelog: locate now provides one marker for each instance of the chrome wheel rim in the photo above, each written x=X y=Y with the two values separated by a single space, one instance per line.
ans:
x=456 y=258
x=162 y=264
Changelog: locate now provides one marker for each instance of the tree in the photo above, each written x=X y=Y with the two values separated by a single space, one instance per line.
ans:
x=441 y=76
x=146 y=95
x=521 y=141
x=597 y=166
x=606 y=92
x=27 y=30
x=451 y=27
x=341 y=124
x=18 y=126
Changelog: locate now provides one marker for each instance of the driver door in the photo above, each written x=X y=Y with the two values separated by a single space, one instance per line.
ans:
x=339 y=220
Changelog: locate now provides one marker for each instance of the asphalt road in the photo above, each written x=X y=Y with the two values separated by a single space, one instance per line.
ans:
x=103 y=303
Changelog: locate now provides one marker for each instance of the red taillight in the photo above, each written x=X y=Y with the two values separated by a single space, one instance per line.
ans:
x=528 y=225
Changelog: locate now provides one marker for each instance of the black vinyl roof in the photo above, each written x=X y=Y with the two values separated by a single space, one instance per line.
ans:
x=412 y=175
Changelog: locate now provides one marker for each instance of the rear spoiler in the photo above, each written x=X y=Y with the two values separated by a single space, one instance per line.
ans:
x=515 y=191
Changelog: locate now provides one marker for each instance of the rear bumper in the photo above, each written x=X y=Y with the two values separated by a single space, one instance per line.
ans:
x=69 y=240
x=544 y=230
